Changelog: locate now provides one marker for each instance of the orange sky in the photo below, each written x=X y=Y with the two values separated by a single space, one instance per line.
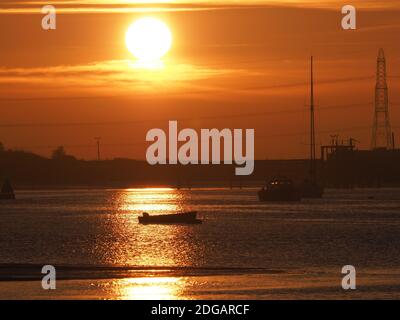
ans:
x=236 y=65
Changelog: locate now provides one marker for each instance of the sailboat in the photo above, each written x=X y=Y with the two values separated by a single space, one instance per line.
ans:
x=310 y=187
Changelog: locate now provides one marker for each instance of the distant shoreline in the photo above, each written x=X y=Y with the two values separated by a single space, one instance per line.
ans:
x=255 y=186
x=343 y=170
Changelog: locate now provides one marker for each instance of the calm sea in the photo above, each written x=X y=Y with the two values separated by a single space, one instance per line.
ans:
x=243 y=249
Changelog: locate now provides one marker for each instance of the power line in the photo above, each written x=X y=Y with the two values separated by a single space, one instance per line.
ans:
x=127 y=96
x=263 y=137
x=136 y=122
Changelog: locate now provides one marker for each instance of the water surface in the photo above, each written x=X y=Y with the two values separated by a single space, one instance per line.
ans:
x=95 y=234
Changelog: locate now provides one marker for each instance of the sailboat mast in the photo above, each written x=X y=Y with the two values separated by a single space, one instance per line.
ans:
x=312 y=126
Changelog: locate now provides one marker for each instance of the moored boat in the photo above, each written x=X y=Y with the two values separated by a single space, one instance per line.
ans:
x=176 y=218
x=7 y=192
x=279 y=189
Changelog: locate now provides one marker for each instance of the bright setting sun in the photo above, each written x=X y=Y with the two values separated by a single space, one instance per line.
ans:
x=148 y=39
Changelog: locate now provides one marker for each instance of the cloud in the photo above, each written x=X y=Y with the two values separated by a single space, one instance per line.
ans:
x=124 y=6
x=116 y=76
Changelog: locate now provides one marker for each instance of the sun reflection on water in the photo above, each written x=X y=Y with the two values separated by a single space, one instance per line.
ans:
x=150 y=288
x=151 y=200
x=133 y=244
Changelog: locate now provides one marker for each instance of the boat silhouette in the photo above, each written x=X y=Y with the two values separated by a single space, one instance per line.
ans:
x=279 y=189
x=176 y=218
x=7 y=192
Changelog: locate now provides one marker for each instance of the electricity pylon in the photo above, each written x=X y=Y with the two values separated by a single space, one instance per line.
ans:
x=382 y=132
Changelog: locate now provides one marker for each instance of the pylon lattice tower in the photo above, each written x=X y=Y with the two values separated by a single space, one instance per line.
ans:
x=382 y=133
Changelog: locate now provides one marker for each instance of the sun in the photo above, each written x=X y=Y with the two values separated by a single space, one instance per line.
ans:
x=148 y=39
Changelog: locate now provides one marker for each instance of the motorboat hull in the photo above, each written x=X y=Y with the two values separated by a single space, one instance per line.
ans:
x=179 y=218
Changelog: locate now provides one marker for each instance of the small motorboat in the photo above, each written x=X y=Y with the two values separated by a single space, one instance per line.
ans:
x=176 y=218
x=7 y=192
x=279 y=189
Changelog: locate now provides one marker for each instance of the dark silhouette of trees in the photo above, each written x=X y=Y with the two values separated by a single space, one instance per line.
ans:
x=60 y=154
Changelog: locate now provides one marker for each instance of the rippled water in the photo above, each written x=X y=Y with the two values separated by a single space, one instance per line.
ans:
x=100 y=228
